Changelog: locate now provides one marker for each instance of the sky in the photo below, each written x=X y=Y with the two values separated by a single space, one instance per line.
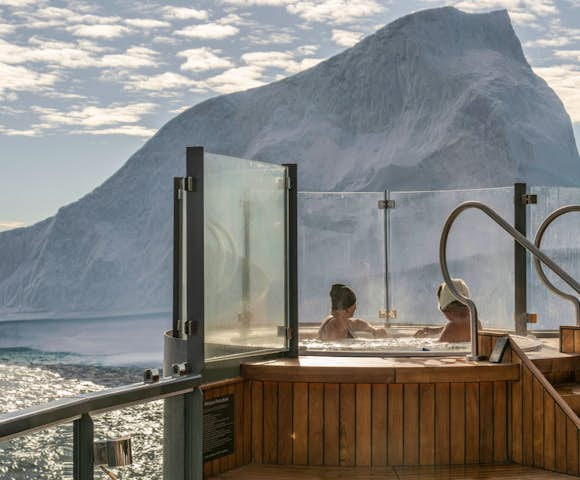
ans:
x=84 y=84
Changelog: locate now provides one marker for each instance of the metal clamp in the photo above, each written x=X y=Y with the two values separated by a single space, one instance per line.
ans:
x=179 y=369
x=384 y=204
x=529 y=199
x=151 y=375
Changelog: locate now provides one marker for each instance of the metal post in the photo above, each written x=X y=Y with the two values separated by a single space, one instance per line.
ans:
x=195 y=261
x=83 y=441
x=520 y=278
x=176 y=254
x=194 y=435
x=292 y=259
x=386 y=230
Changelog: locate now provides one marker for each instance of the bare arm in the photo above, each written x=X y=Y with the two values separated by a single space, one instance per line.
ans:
x=358 y=325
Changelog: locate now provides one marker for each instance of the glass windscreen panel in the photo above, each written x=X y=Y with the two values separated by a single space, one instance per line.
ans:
x=478 y=251
x=143 y=425
x=340 y=240
x=244 y=255
x=46 y=454
x=561 y=242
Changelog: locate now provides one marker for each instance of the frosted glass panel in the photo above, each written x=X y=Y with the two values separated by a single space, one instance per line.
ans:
x=478 y=251
x=340 y=240
x=561 y=242
x=47 y=455
x=245 y=232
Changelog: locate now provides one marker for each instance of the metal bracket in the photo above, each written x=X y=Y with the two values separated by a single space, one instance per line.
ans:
x=391 y=313
x=191 y=328
x=151 y=375
x=285 y=332
x=530 y=317
x=384 y=204
x=529 y=199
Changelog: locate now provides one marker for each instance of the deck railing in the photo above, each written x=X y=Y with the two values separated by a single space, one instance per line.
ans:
x=518 y=237
x=81 y=408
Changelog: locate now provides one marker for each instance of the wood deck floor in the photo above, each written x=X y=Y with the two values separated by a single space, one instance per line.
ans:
x=470 y=472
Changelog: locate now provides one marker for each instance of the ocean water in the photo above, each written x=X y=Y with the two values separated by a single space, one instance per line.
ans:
x=43 y=360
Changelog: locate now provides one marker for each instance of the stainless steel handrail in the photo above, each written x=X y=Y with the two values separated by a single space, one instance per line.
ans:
x=518 y=237
x=64 y=410
x=538 y=241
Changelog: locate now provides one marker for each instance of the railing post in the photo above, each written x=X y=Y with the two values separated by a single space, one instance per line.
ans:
x=292 y=259
x=193 y=435
x=520 y=279
x=83 y=442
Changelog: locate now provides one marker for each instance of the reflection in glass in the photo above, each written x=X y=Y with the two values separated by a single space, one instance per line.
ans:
x=143 y=424
x=245 y=232
x=561 y=242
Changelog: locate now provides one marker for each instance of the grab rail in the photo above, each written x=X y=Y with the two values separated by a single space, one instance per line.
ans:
x=518 y=237
x=549 y=219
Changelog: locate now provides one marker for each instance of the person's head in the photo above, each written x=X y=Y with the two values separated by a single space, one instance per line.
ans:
x=447 y=302
x=342 y=298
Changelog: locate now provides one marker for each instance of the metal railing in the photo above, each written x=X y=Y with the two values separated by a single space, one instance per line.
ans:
x=518 y=237
x=538 y=241
x=79 y=410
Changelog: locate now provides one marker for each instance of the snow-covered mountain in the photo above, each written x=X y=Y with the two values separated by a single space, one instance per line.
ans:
x=436 y=99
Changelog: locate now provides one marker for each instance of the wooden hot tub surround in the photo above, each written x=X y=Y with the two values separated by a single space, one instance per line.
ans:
x=345 y=411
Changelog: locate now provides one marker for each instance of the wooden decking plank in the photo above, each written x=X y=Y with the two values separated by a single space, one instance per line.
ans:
x=457 y=431
x=285 y=424
x=363 y=424
x=300 y=422
x=411 y=424
x=379 y=425
x=395 y=426
x=331 y=424
x=442 y=439
x=486 y=417
x=427 y=424
x=500 y=422
x=316 y=424
x=347 y=424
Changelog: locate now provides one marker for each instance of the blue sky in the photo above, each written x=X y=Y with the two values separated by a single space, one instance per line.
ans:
x=84 y=84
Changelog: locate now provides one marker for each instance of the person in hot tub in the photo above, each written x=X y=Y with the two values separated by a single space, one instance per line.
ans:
x=458 y=326
x=340 y=324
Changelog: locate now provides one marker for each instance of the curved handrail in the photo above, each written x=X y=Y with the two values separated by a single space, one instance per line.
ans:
x=518 y=237
x=540 y=271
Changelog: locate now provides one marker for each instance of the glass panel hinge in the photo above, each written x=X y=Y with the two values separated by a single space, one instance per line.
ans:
x=390 y=313
x=529 y=199
x=384 y=204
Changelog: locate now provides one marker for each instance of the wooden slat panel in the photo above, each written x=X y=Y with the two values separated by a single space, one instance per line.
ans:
x=500 y=421
x=285 y=424
x=538 y=424
x=549 y=433
x=427 y=424
x=571 y=448
x=516 y=410
x=300 y=422
x=379 y=425
x=270 y=447
x=411 y=424
x=239 y=433
x=457 y=432
x=560 y=439
x=257 y=421
x=247 y=422
x=484 y=345
x=486 y=415
x=347 y=424
x=316 y=424
x=395 y=427
x=527 y=418
x=442 y=424
x=331 y=424
x=472 y=422
x=576 y=340
x=567 y=340
x=363 y=424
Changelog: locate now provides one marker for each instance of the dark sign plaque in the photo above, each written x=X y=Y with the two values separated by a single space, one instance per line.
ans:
x=218 y=427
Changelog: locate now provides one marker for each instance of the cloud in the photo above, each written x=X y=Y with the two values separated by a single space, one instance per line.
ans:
x=282 y=60
x=127 y=130
x=12 y=132
x=573 y=55
x=179 y=13
x=6 y=29
x=147 y=23
x=565 y=80
x=307 y=49
x=234 y=80
x=99 y=31
x=93 y=116
x=345 y=38
x=521 y=11
x=4 y=225
x=203 y=59
x=208 y=31
x=335 y=11
x=134 y=57
x=19 y=78
x=164 y=82
x=258 y=3
x=271 y=38
x=548 y=42
x=16 y=3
